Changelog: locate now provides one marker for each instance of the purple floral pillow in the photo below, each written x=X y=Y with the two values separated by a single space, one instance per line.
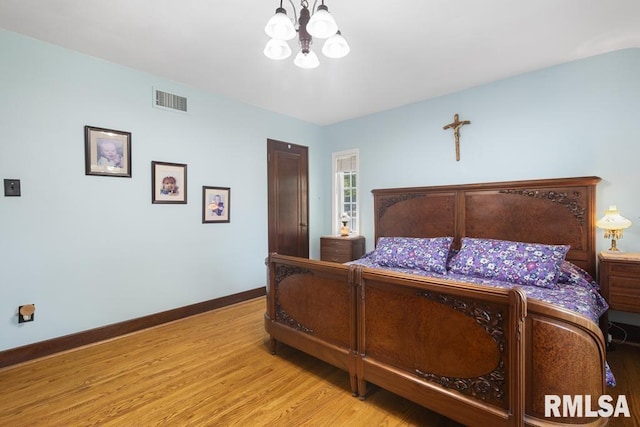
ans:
x=571 y=274
x=429 y=254
x=522 y=263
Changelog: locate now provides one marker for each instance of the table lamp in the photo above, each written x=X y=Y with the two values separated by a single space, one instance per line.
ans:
x=344 y=230
x=613 y=223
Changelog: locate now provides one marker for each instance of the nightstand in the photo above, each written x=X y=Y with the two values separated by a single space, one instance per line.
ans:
x=619 y=279
x=341 y=249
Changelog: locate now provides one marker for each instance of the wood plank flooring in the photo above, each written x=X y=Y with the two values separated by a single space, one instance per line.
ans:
x=214 y=369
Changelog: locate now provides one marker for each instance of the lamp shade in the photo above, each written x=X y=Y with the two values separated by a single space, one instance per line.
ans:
x=280 y=26
x=612 y=220
x=277 y=49
x=306 y=60
x=336 y=46
x=322 y=24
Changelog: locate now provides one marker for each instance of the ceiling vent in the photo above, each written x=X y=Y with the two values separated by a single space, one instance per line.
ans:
x=168 y=100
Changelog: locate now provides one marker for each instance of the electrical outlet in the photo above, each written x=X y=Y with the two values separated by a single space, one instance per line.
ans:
x=12 y=187
x=26 y=313
x=609 y=338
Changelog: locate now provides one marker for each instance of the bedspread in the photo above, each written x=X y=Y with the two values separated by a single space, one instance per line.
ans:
x=581 y=296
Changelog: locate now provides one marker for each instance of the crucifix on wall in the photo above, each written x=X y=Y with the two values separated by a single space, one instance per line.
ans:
x=456 y=125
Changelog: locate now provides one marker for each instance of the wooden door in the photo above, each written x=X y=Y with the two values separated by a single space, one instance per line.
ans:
x=287 y=169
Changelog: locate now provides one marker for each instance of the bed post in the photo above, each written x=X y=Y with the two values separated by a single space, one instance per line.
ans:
x=270 y=314
x=518 y=313
x=355 y=278
x=360 y=333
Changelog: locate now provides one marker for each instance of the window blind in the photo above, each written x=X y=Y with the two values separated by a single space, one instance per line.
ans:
x=346 y=164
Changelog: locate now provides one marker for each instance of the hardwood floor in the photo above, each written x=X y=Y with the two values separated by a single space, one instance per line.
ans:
x=215 y=369
x=624 y=361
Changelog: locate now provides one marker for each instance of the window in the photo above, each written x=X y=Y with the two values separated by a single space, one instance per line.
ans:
x=345 y=185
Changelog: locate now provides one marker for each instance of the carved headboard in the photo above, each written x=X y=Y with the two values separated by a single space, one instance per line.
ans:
x=550 y=211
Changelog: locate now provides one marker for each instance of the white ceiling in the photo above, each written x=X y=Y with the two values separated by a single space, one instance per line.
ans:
x=401 y=51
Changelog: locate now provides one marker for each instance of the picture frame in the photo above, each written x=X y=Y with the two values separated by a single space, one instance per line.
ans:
x=168 y=183
x=107 y=152
x=216 y=204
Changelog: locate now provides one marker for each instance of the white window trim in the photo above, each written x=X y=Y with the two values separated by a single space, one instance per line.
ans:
x=336 y=205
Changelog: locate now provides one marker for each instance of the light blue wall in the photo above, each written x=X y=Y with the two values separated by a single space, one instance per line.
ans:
x=576 y=119
x=91 y=251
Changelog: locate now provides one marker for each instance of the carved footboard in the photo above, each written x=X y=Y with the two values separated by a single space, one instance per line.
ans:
x=458 y=350
x=478 y=355
x=311 y=307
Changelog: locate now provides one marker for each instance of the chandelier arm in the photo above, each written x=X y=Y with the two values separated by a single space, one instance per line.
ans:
x=295 y=15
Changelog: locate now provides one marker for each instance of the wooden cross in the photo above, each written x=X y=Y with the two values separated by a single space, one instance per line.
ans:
x=456 y=125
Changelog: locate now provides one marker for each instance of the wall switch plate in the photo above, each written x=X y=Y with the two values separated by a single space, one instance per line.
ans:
x=11 y=187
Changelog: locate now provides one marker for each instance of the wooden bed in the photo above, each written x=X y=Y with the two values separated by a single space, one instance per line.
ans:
x=478 y=355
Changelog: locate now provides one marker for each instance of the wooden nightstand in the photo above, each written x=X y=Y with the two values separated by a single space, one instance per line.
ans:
x=619 y=279
x=341 y=249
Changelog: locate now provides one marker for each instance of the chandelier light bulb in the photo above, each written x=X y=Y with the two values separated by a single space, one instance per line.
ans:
x=280 y=26
x=336 y=46
x=306 y=60
x=277 y=49
x=322 y=24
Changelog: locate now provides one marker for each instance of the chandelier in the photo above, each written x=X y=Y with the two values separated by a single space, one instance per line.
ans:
x=320 y=25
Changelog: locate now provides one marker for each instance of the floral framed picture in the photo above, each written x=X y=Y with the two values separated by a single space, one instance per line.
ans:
x=168 y=182
x=107 y=152
x=216 y=204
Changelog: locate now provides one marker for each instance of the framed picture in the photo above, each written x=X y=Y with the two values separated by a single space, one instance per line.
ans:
x=107 y=152
x=216 y=204
x=168 y=182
